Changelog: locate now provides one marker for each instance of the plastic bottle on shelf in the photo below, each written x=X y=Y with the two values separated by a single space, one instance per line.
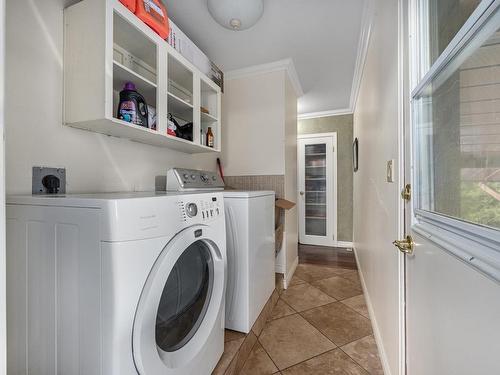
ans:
x=132 y=107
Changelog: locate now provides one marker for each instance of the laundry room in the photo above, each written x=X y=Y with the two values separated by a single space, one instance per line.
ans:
x=175 y=254
x=249 y=187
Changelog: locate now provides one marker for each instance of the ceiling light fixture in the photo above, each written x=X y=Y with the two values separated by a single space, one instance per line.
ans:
x=236 y=14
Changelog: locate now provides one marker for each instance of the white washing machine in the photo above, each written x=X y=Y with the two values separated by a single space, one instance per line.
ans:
x=116 y=284
x=250 y=244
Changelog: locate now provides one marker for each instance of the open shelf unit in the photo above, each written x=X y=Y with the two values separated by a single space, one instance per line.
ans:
x=103 y=53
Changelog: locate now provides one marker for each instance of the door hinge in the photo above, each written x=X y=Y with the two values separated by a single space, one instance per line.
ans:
x=406 y=193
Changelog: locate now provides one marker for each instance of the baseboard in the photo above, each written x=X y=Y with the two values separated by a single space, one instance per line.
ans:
x=376 y=330
x=343 y=244
x=289 y=273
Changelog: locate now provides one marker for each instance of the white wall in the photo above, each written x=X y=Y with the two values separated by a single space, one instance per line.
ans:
x=376 y=202
x=260 y=138
x=291 y=186
x=253 y=120
x=34 y=131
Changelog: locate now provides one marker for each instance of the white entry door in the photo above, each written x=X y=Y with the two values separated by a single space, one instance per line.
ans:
x=453 y=274
x=317 y=177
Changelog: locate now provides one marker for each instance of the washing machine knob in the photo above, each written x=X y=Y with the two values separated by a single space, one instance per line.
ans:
x=191 y=209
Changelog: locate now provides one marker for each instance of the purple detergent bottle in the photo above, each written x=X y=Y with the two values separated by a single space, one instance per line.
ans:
x=132 y=107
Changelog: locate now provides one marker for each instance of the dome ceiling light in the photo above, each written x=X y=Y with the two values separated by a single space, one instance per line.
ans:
x=236 y=14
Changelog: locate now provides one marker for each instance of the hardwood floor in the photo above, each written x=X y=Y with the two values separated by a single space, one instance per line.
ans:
x=327 y=256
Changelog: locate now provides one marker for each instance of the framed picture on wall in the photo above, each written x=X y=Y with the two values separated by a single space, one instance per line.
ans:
x=355 y=153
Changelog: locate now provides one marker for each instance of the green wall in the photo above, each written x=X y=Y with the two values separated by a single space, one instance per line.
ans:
x=343 y=126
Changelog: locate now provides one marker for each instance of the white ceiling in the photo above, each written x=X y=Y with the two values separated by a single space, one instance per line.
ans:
x=320 y=36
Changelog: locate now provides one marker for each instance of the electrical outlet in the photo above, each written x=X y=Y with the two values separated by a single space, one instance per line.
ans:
x=41 y=186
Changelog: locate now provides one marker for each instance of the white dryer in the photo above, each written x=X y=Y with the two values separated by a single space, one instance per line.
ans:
x=250 y=244
x=116 y=284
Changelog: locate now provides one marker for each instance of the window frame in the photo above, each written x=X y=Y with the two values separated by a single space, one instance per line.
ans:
x=475 y=244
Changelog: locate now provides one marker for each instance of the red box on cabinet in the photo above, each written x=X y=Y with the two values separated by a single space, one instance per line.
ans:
x=154 y=14
x=130 y=4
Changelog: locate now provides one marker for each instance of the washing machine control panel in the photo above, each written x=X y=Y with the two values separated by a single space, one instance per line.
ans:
x=204 y=209
x=179 y=179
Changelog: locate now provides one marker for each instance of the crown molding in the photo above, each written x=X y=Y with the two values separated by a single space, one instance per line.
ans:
x=363 y=44
x=286 y=65
x=333 y=112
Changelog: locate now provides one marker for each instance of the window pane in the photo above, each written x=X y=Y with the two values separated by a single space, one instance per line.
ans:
x=441 y=20
x=185 y=298
x=315 y=181
x=457 y=120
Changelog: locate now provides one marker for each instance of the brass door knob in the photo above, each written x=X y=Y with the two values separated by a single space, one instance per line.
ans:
x=301 y=193
x=405 y=246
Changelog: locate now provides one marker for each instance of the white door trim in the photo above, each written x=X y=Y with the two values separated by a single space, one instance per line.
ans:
x=3 y=300
x=333 y=216
x=404 y=150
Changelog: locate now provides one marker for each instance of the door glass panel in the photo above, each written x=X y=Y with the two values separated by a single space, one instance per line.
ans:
x=185 y=298
x=440 y=22
x=315 y=189
x=457 y=119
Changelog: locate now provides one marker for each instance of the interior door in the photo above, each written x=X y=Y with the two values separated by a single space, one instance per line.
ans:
x=453 y=261
x=317 y=196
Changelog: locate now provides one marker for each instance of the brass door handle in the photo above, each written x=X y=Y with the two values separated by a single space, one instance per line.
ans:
x=301 y=193
x=405 y=246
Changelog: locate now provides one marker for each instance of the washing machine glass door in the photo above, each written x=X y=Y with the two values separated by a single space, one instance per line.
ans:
x=185 y=297
x=180 y=303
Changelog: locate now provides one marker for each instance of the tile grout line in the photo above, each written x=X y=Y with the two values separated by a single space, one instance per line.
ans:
x=297 y=313
x=349 y=307
x=249 y=354
x=257 y=336
x=269 y=355
x=267 y=322
x=354 y=360
x=317 y=355
x=371 y=334
x=294 y=312
x=336 y=300
x=308 y=359
x=319 y=330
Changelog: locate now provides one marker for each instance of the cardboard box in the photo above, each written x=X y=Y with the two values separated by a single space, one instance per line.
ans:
x=280 y=206
x=278 y=238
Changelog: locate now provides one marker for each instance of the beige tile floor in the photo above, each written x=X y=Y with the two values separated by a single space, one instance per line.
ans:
x=319 y=325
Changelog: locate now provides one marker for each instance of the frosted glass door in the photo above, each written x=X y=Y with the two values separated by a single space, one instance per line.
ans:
x=315 y=190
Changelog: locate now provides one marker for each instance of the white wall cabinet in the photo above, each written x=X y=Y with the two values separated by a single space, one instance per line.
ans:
x=106 y=46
